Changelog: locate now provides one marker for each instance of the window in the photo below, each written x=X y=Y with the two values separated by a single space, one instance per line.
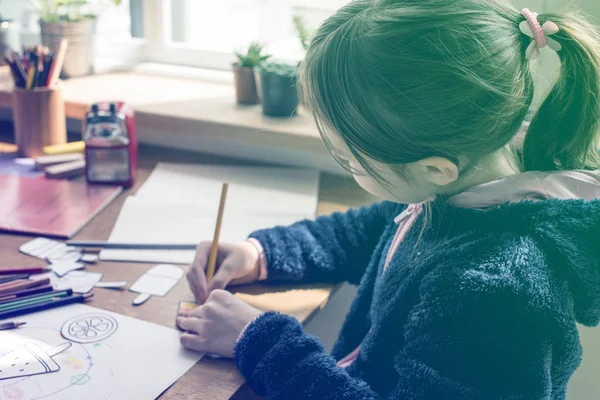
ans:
x=201 y=33
x=205 y=33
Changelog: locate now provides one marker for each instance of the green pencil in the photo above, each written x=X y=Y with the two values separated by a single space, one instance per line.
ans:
x=27 y=302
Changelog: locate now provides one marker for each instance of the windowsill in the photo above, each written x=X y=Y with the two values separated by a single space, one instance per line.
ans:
x=194 y=114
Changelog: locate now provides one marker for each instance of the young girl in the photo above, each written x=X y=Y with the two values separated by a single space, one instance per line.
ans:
x=474 y=289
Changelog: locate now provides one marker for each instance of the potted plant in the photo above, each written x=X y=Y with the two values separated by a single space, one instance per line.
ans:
x=74 y=20
x=243 y=72
x=304 y=34
x=279 y=95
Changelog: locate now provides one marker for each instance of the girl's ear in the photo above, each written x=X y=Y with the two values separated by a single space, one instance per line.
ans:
x=437 y=170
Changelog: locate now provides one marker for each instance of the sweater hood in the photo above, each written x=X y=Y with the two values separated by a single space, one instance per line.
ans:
x=561 y=211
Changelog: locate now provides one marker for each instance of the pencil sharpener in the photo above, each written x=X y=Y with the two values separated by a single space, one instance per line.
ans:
x=111 y=147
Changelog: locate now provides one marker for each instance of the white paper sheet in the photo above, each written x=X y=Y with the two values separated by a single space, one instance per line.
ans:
x=140 y=222
x=262 y=189
x=112 y=356
x=179 y=204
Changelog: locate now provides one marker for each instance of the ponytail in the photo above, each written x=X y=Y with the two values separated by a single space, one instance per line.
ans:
x=564 y=131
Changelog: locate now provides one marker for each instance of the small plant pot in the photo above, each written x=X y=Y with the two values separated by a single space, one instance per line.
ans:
x=79 y=60
x=245 y=85
x=279 y=95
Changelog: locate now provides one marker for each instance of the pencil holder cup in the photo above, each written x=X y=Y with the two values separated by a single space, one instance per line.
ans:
x=39 y=118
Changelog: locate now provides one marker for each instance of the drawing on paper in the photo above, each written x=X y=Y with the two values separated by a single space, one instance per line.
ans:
x=30 y=359
x=89 y=328
x=41 y=364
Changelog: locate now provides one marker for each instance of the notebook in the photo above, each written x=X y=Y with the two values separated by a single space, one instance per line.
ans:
x=179 y=203
x=55 y=208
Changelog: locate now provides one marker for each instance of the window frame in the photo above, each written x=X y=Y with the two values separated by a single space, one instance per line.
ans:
x=156 y=48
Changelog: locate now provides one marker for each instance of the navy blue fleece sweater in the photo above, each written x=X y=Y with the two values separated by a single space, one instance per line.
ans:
x=482 y=306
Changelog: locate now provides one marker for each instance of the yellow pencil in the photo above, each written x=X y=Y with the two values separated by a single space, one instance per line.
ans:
x=30 y=76
x=212 y=259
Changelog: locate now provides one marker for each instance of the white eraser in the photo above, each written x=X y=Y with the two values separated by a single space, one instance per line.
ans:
x=89 y=258
x=112 y=285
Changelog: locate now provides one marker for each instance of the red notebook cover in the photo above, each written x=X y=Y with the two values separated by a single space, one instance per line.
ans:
x=57 y=208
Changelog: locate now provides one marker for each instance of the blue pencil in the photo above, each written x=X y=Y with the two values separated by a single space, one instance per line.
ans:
x=45 y=306
x=10 y=278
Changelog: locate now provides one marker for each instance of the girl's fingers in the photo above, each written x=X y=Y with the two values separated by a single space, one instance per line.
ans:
x=193 y=342
x=221 y=278
x=189 y=324
x=196 y=274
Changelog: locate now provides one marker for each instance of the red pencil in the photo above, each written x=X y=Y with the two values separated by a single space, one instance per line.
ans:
x=26 y=270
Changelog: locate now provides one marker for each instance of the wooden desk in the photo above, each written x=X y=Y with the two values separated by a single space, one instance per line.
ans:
x=208 y=379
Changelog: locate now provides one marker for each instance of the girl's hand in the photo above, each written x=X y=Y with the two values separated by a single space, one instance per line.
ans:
x=237 y=263
x=215 y=326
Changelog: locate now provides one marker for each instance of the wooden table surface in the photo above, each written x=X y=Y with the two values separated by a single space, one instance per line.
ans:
x=209 y=378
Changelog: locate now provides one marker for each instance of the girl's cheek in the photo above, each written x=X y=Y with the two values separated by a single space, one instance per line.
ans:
x=372 y=186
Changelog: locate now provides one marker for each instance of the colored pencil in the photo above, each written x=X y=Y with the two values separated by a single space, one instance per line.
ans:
x=30 y=76
x=45 y=306
x=26 y=270
x=11 y=305
x=136 y=246
x=59 y=293
x=27 y=292
x=212 y=258
x=8 y=288
x=11 y=278
x=57 y=64
x=20 y=68
x=10 y=325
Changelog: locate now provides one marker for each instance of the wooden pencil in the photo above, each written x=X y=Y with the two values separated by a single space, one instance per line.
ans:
x=38 y=296
x=11 y=278
x=27 y=270
x=9 y=288
x=132 y=246
x=27 y=292
x=45 y=306
x=17 y=304
x=10 y=325
x=212 y=259
x=57 y=64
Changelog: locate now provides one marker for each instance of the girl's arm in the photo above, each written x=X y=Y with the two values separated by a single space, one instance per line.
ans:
x=457 y=343
x=333 y=248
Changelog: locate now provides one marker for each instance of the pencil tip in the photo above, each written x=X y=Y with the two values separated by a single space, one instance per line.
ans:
x=20 y=323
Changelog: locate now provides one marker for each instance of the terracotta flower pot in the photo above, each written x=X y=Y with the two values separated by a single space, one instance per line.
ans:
x=79 y=60
x=245 y=85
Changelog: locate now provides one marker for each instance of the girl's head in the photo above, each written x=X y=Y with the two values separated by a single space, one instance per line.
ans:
x=412 y=95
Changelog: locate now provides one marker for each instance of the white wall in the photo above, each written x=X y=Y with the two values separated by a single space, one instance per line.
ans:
x=13 y=9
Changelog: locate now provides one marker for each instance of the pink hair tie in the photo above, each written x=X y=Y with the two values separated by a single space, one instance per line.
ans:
x=539 y=34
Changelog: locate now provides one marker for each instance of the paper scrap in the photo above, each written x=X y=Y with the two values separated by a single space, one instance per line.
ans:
x=158 y=280
x=48 y=249
x=64 y=267
x=80 y=281
x=72 y=256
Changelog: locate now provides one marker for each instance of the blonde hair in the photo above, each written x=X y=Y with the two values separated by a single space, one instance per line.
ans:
x=403 y=80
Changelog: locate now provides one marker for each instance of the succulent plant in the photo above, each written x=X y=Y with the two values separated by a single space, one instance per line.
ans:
x=69 y=10
x=254 y=56
x=280 y=69
x=304 y=34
